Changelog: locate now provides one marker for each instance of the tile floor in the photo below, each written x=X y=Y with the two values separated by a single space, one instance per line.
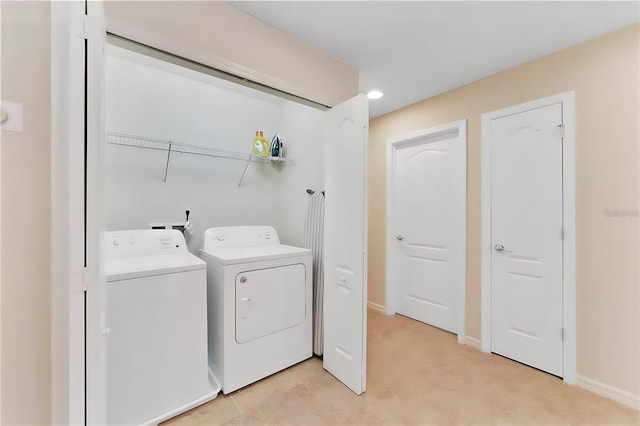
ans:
x=416 y=374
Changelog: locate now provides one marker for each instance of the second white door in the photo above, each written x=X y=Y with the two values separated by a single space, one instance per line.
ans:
x=526 y=237
x=428 y=226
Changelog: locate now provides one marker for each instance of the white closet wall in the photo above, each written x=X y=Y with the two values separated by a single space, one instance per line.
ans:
x=303 y=129
x=151 y=98
x=159 y=100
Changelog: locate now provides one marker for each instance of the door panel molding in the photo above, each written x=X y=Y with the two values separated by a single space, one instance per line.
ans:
x=568 y=219
x=434 y=134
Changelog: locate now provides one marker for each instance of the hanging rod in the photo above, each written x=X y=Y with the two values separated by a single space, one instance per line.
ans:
x=311 y=192
x=171 y=147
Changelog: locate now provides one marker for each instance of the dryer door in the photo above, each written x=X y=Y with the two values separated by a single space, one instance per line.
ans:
x=269 y=300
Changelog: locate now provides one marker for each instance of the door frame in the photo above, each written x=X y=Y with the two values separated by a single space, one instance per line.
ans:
x=567 y=99
x=391 y=290
x=68 y=357
x=96 y=321
x=87 y=376
x=78 y=320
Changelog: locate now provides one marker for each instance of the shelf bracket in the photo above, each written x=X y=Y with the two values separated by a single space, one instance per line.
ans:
x=244 y=171
x=166 y=168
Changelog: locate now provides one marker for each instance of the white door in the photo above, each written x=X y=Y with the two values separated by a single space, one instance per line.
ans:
x=96 y=328
x=428 y=227
x=345 y=228
x=526 y=226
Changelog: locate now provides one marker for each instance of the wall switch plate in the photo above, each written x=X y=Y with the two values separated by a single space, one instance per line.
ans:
x=13 y=119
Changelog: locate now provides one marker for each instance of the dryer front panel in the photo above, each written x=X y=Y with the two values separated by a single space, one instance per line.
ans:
x=269 y=300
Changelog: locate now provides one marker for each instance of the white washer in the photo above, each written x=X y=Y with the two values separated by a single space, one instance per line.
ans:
x=157 y=315
x=259 y=298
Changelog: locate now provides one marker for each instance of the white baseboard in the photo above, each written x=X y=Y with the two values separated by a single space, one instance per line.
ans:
x=473 y=342
x=610 y=392
x=375 y=306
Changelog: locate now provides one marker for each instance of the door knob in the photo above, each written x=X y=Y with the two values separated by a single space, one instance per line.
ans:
x=500 y=248
x=399 y=238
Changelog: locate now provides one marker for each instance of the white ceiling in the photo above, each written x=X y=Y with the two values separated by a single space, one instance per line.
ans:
x=415 y=50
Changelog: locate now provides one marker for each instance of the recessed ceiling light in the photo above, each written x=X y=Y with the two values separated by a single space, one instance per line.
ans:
x=375 y=94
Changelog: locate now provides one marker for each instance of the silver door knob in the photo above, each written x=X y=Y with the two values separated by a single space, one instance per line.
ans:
x=500 y=248
x=399 y=238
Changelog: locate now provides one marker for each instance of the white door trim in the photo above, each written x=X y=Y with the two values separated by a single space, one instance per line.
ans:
x=78 y=325
x=95 y=318
x=568 y=219
x=67 y=214
x=459 y=127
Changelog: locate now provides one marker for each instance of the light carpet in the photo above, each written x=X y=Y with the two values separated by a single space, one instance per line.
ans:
x=416 y=375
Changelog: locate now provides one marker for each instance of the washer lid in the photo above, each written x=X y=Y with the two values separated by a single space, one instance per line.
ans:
x=126 y=268
x=236 y=255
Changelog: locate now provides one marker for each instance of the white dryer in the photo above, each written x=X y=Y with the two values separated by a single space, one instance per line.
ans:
x=157 y=315
x=259 y=304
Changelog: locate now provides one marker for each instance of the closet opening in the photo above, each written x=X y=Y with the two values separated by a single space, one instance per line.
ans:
x=204 y=176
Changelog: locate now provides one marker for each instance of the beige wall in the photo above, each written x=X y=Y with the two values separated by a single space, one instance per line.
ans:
x=224 y=37
x=25 y=369
x=604 y=73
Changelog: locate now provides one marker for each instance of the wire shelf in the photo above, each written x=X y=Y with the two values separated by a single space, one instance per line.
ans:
x=166 y=145
x=170 y=147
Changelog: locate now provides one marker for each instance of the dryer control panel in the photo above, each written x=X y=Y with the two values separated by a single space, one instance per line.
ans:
x=240 y=236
